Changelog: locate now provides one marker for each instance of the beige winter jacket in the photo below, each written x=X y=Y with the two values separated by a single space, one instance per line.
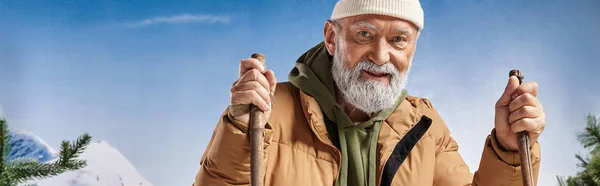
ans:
x=414 y=148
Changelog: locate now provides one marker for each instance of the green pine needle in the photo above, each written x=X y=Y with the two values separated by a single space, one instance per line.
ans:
x=79 y=145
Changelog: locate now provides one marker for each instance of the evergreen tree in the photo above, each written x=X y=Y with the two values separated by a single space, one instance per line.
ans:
x=21 y=170
x=590 y=167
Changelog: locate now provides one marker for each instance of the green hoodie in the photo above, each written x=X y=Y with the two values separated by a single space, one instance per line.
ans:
x=357 y=143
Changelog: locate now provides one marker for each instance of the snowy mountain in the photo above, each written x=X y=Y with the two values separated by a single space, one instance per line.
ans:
x=24 y=144
x=106 y=166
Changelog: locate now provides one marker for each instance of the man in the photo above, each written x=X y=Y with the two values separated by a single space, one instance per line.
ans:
x=344 y=117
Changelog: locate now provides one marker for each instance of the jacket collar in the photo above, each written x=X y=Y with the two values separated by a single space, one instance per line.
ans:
x=401 y=120
x=315 y=117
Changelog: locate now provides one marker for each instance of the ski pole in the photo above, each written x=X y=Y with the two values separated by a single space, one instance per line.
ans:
x=524 y=144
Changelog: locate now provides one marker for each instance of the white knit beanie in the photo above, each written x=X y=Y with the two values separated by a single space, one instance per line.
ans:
x=409 y=10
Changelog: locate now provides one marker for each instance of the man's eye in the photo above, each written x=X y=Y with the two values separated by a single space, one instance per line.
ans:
x=399 y=39
x=364 y=33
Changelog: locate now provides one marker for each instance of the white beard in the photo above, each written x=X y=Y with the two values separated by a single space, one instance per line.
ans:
x=369 y=96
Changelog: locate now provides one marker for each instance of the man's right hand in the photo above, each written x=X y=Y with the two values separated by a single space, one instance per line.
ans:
x=254 y=86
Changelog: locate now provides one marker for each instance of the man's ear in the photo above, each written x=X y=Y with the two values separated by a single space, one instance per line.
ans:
x=329 y=36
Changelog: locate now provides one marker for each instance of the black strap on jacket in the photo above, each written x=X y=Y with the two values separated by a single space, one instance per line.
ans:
x=402 y=150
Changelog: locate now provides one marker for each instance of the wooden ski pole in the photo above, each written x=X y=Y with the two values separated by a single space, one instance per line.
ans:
x=524 y=144
x=257 y=134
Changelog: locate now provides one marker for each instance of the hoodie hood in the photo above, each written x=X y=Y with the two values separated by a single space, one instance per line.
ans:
x=312 y=74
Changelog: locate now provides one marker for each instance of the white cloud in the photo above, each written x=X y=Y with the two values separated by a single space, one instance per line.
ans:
x=180 y=19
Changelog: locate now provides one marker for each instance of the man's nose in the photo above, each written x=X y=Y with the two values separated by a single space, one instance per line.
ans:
x=380 y=52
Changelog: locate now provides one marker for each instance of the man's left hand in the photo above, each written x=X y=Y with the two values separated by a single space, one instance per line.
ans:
x=518 y=109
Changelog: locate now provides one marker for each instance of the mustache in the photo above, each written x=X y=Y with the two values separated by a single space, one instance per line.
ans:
x=386 y=68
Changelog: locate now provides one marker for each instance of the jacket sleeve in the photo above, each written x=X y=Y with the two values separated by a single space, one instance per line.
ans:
x=226 y=160
x=496 y=168
x=499 y=167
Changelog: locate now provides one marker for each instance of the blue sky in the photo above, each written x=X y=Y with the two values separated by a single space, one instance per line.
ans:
x=152 y=77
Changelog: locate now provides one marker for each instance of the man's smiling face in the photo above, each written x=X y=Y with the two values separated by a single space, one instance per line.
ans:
x=372 y=57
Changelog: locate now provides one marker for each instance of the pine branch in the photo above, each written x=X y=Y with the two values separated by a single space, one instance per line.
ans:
x=4 y=141
x=75 y=164
x=65 y=153
x=591 y=136
x=79 y=145
x=21 y=170
x=590 y=173
x=583 y=161
x=561 y=181
x=23 y=173
x=70 y=151
x=593 y=169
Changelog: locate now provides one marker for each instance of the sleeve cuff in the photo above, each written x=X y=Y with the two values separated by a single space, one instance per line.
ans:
x=512 y=157
x=244 y=127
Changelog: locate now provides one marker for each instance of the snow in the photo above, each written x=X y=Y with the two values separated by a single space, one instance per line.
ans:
x=24 y=144
x=106 y=166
